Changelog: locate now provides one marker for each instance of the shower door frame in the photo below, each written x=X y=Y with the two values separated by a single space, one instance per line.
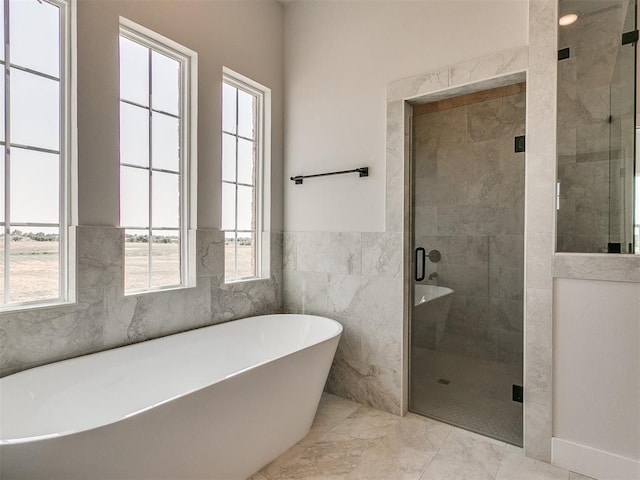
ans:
x=496 y=70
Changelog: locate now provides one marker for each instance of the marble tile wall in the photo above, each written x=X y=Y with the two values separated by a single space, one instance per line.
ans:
x=355 y=278
x=592 y=147
x=539 y=60
x=540 y=178
x=104 y=318
x=469 y=205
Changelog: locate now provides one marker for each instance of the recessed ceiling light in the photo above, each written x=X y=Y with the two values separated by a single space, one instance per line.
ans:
x=567 y=19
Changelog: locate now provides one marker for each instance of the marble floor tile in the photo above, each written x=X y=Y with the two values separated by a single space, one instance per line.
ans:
x=349 y=441
x=331 y=411
x=465 y=456
x=405 y=452
x=578 y=476
x=257 y=476
x=516 y=466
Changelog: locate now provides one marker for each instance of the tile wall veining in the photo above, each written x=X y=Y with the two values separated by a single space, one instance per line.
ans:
x=589 y=213
x=350 y=441
x=539 y=60
x=104 y=318
x=469 y=198
x=355 y=278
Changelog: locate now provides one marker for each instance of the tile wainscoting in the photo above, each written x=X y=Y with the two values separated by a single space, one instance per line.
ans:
x=355 y=278
x=104 y=318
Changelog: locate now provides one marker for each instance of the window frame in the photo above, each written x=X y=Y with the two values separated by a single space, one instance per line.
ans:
x=262 y=207
x=67 y=152
x=188 y=60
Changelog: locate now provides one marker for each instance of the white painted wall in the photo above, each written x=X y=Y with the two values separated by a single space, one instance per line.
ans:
x=597 y=365
x=339 y=57
x=245 y=36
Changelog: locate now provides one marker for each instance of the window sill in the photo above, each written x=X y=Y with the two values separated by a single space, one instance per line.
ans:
x=247 y=280
x=36 y=306
x=135 y=293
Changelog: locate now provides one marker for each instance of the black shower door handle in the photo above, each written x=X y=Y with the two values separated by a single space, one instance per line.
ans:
x=420 y=253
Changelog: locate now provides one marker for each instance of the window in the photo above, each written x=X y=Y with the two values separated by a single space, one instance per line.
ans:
x=35 y=148
x=157 y=158
x=244 y=174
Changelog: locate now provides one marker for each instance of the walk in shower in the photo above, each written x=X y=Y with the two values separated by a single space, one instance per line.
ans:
x=468 y=167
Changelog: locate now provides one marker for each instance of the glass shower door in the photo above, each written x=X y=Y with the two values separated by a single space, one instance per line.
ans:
x=468 y=224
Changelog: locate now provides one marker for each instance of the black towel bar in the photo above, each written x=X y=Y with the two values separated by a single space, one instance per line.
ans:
x=363 y=171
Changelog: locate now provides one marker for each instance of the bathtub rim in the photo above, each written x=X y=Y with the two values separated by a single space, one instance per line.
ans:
x=55 y=435
x=446 y=291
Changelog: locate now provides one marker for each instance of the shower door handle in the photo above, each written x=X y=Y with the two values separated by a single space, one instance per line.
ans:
x=420 y=253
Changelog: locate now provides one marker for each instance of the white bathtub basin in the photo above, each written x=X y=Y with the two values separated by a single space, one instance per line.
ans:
x=215 y=403
x=429 y=315
x=425 y=293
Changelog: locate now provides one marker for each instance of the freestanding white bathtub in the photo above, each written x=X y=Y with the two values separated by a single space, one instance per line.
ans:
x=218 y=403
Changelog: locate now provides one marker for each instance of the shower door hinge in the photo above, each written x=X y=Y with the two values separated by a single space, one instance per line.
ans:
x=564 y=53
x=518 y=393
x=630 y=37
x=519 y=144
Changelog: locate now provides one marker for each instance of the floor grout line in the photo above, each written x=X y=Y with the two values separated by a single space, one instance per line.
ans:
x=436 y=454
x=504 y=449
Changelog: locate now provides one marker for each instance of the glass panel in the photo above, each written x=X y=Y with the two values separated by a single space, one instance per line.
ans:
x=2 y=101
x=166 y=142
x=166 y=200
x=35 y=110
x=134 y=72
x=2 y=265
x=35 y=35
x=229 y=256
x=246 y=162
x=35 y=191
x=134 y=197
x=228 y=157
x=246 y=114
x=2 y=160
x=622 y=132
x=246 y=220
x=466 y=322
x=136 y=259
x=229 y=108
x=246 y=255
x=165 y=83
x=34 y=264
x=165 y=258
x=134 y=135
x=596 y=130
x=2 y=32
x=636 y=228
x=228 y=206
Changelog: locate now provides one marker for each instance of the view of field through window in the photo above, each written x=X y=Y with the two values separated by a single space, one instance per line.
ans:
x=34 y=261
x=239 y=174
x=33 y=265
x=151 y=165
x=34 y=67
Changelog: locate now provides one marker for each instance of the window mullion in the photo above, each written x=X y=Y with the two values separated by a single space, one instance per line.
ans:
x=150 y=234
x=63 y=220
x=235 y=244
x=7 y=151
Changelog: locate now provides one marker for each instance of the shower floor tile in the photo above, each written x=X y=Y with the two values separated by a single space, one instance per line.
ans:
x=353 y=442
x=477 y=396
